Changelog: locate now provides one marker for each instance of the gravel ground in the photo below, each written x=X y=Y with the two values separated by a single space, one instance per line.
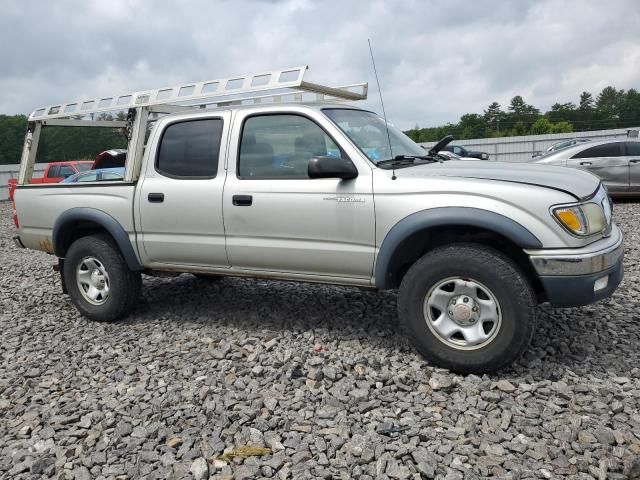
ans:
x=317 y=377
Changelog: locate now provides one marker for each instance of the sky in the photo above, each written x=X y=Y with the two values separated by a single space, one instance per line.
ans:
x=436 y=59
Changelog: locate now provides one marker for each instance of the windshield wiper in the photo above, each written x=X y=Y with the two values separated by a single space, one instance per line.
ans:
x=400 y=160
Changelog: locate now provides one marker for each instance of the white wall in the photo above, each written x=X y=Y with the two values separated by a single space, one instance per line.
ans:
x=12 y=171
x=521 y=149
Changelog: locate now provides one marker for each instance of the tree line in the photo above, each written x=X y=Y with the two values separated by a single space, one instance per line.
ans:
x=58 y=143
x=612 y=108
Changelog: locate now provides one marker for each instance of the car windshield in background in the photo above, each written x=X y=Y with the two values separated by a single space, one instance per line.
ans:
x=367 y=131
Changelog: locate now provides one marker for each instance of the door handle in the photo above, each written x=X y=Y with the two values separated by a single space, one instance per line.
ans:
x=635 y=160
x=156 y=197
x=242 y=200
x=585 y=163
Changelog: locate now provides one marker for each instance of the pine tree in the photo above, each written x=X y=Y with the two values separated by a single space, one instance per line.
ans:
x=586 y=102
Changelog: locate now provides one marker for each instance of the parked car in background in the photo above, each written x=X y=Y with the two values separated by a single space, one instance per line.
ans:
x=561 y=145
x=100 y=175
x=446 y=155
x=616 y=162
x=439 y=150
x=54 y=172
x=463 y=152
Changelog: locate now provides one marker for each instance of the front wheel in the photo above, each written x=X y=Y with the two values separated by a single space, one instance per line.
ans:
x=467 y=308
x=98 y=279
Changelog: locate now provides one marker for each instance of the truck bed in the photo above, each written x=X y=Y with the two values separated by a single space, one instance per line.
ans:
x=38 y=206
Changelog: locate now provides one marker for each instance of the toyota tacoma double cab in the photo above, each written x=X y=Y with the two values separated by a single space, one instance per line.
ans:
x=326 y=192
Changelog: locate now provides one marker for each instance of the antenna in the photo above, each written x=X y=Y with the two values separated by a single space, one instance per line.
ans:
x=384 y=114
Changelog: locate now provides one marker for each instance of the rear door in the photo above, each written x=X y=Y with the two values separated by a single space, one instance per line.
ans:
x=180 y=199
x=633 y=155
x=607 y=161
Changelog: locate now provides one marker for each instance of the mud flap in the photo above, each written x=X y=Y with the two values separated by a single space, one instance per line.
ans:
x=60 y=268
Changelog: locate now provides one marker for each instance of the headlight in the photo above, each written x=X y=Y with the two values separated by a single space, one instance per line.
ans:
x=582 y=219
x=605 y=201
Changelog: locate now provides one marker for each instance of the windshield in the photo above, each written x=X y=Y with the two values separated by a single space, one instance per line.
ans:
x=367 y=131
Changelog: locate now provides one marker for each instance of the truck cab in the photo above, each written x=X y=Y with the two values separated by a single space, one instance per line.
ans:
x=326 y=192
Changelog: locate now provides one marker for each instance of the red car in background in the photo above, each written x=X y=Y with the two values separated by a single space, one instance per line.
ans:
x=55 y=172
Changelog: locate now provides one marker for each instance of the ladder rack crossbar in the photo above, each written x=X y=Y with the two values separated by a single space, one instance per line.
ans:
x=293 y=96
x=203 y=93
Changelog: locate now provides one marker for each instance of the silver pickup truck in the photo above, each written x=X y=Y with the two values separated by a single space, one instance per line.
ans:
x=325 y=192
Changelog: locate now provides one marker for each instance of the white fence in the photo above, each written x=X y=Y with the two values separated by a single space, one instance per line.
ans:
x=521 y=149
x=11 y=171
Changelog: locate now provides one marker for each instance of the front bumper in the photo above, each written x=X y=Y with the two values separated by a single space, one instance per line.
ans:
x=579 y=276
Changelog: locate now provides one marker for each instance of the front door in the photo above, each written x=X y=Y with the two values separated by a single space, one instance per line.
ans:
x=278 y=219
x=180 y=200
x=608 y=162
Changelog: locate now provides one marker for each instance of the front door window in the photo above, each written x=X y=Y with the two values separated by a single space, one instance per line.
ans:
x=280 y=147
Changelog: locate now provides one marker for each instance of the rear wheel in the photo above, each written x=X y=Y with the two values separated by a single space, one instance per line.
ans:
x=98 y=279
x=468 y=308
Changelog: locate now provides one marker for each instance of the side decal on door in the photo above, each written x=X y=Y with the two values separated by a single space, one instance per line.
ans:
x=346 y=199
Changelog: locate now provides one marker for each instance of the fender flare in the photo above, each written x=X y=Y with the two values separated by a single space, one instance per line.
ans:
x=445 y=216
x=106 y=221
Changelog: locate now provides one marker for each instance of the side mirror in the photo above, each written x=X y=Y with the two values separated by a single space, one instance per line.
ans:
x=332 y=167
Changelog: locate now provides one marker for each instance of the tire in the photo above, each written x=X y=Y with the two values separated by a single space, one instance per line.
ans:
x=462 y=339
x=120 y=289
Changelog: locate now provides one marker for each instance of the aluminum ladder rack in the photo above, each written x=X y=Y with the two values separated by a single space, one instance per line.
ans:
x=221 y=92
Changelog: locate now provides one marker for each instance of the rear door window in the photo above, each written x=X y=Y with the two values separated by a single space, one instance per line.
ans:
x=53 y=171
x=613 y=149
x=190 y=149
x=633 y=149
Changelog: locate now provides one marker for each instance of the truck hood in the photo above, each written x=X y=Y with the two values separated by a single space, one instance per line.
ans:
x=576 y=182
